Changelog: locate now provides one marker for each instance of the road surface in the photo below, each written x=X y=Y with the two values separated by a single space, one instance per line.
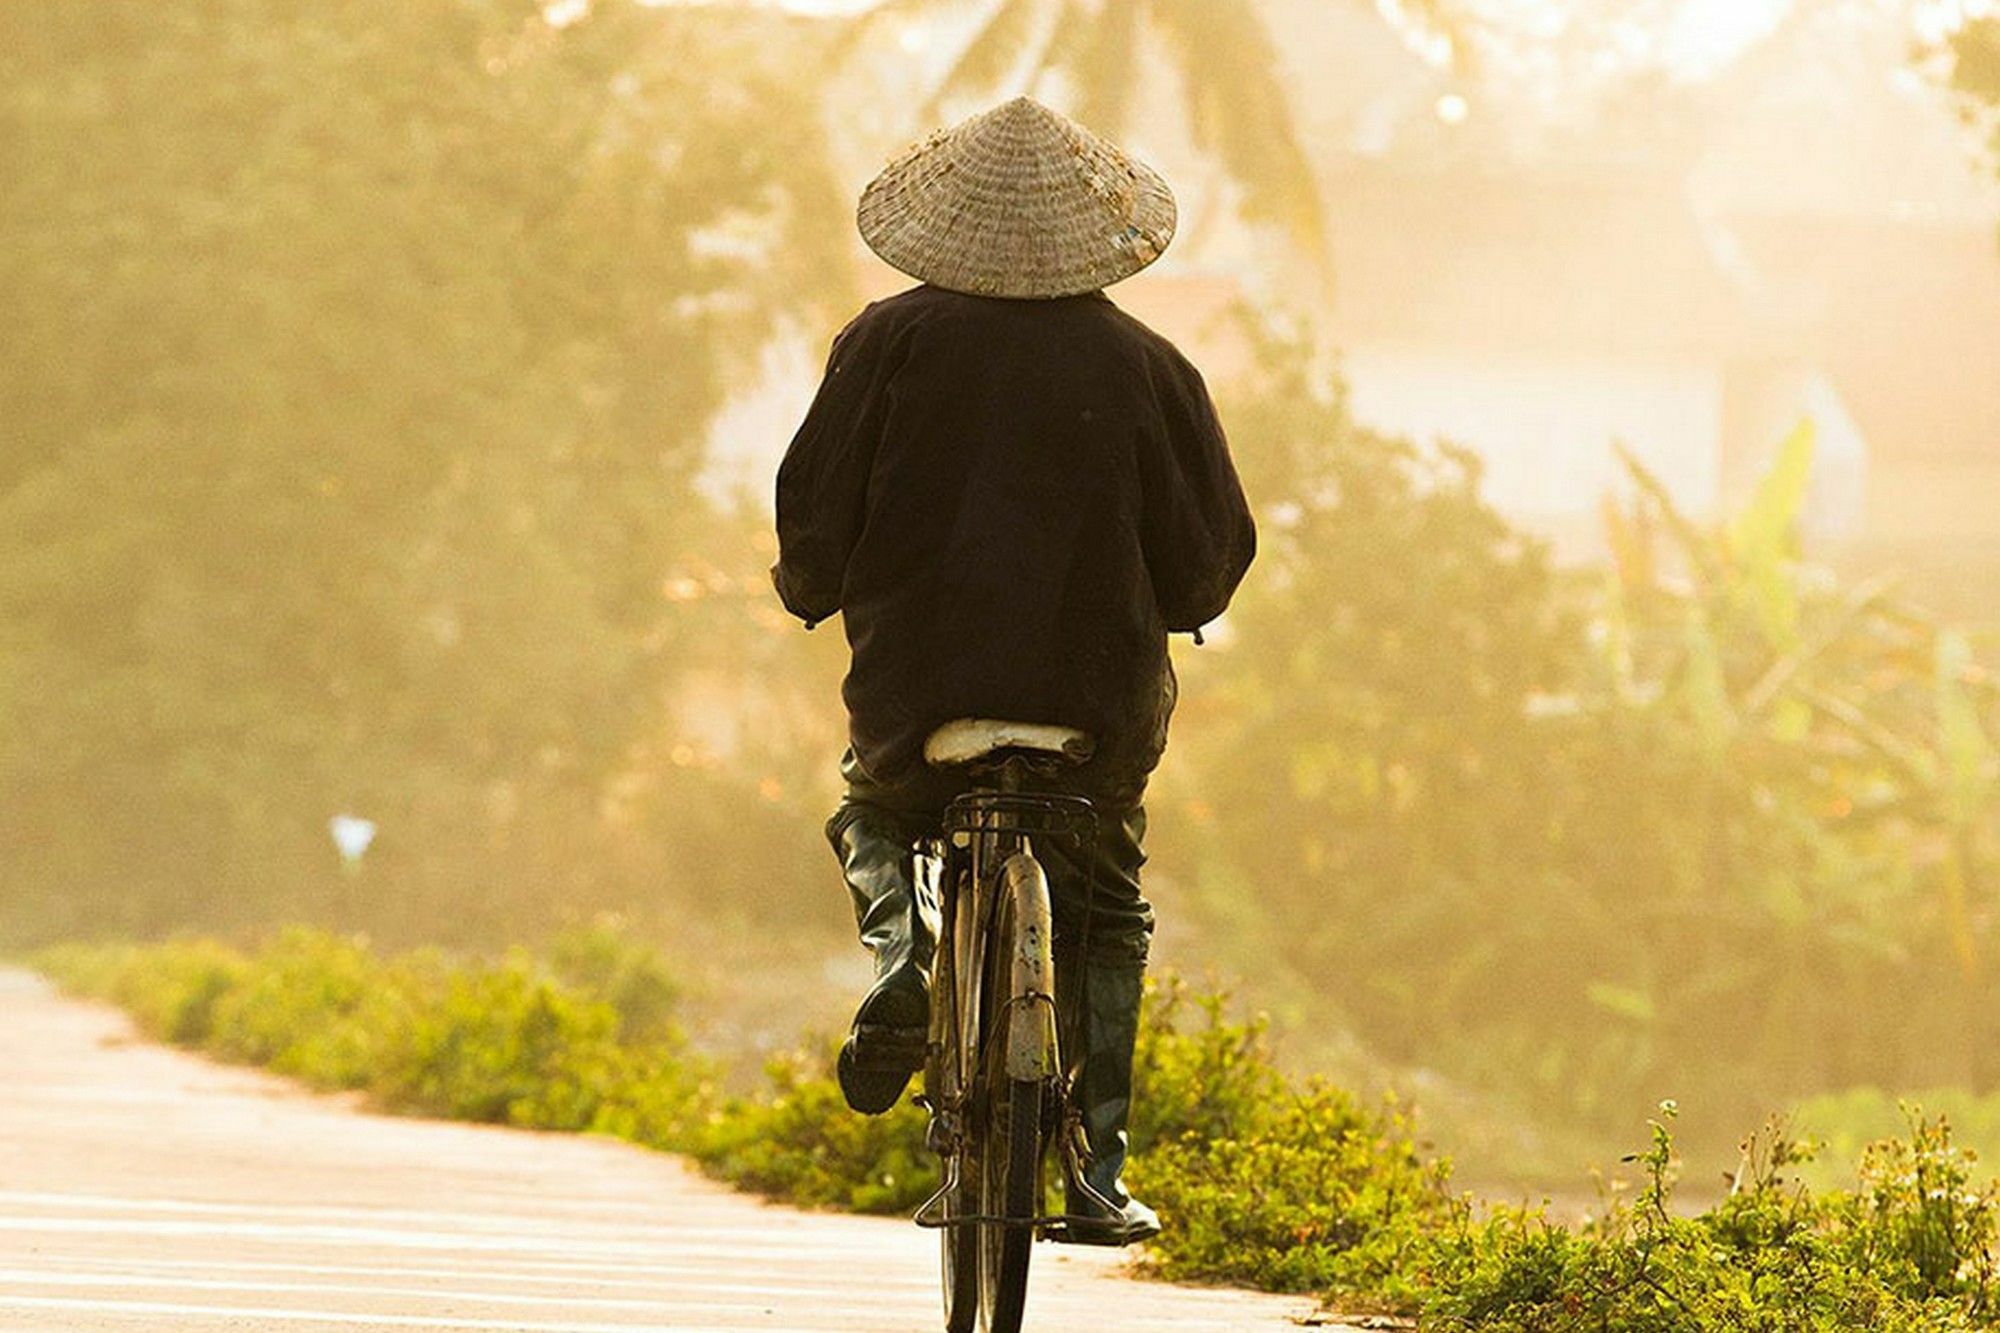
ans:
x=145 y=1188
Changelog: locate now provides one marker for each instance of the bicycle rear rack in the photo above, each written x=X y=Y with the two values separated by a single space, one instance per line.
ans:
x=1031 y=813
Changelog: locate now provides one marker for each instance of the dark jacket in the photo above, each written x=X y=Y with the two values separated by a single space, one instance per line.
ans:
x=1011 y=502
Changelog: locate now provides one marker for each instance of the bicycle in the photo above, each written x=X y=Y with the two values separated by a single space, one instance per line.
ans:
x=995 y=1080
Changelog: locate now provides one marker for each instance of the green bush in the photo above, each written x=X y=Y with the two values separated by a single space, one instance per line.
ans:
x=1261 y=1181
x=503 y=1043
x=502 y=1040
x=1911 y=1252
x=798 y=1141
x=1321 y=1194
x=1196 y=1072
x=603 y=959
x=171 y=990
x=294 y=1010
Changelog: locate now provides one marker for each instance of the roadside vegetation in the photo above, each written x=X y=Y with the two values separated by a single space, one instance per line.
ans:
x=1265 y=1181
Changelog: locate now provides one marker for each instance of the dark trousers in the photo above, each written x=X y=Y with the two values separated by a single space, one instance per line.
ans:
x=1119 y=917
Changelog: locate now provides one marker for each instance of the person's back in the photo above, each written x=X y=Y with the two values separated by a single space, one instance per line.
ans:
x=1011 y=491
x=1010 y=502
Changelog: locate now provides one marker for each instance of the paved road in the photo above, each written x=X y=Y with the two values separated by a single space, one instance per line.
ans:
x=144 y=1188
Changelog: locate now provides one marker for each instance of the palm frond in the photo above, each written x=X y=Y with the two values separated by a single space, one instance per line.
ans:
x=994 y=52
x=1695 y=546
x=861 y=26
x=1238 y=111
x=1454 y=22
x=1100 y=55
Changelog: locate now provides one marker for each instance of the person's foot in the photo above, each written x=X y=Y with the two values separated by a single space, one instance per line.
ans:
x=1104 y=1213
x=1089 y=1223
x=887 y=1044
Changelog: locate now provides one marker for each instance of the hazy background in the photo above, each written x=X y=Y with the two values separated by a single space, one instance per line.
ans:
x=391 y=394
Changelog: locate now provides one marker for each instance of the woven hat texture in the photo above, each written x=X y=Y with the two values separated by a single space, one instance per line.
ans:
x=1019 y=201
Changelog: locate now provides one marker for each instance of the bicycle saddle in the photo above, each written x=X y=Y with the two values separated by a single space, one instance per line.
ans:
x=970 y=739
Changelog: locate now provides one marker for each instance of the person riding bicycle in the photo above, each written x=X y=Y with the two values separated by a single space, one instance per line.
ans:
x=1012 y=491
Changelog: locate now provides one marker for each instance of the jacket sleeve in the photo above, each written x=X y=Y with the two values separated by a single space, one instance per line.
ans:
x=823 y=482
x=1196 y=530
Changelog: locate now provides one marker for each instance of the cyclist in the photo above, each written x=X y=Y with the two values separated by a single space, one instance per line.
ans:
x=1012 y=491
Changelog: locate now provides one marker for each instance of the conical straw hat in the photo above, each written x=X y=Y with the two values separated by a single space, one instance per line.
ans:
x=1018 y=201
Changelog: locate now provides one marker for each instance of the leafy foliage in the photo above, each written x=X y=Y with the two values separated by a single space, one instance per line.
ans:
x=798 y=1141
x=1288 y=1187
x=1704 y=821
x=1911 y=1253
x=1975 y=49
x=366 y=363
x=502 y=1041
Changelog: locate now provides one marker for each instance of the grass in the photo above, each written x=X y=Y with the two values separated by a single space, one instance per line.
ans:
x=1264 y=1181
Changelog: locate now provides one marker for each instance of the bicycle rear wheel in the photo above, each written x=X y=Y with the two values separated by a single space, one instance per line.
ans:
x=961 y=1268
x=1009 y=1133
x=1011 y=1187
x=955 y=994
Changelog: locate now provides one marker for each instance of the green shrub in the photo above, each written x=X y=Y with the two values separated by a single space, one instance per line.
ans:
x=1910 y=1253
x=291 y=1009
x=504 y=1041
x=604 y=960
x=658 y=1095
x=1260 y=1181
x=1196 y=1073
x=1321 y=1194
x=798 y=1141
x=171 y=990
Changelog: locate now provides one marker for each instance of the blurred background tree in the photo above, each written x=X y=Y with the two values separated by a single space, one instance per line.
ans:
x=1974 y=53
x=364 y=360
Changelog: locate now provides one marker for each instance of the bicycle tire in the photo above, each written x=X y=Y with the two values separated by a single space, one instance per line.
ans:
x=1010 y=1131
x=1013 y=1180
x=959 y=1251
x=958 y=1246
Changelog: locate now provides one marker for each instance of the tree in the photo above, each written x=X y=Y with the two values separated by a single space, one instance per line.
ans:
x=1975 y=73
x=360 y=369
x=1705 y=820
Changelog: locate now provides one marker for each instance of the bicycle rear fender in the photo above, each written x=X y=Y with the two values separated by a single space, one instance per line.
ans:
x=1031 y=1025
